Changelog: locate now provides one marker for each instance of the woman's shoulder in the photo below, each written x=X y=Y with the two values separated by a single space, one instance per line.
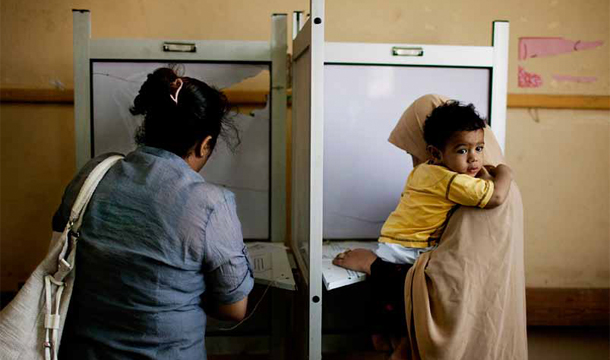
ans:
x=206 y=195
x=60 y=218
x=216 y=194
x=91 y=164
x=80 y=177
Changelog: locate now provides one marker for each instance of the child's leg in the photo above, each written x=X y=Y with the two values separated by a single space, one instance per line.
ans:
x=357 y=260
x=386 y=311
x=381 y=342
x=401 y=351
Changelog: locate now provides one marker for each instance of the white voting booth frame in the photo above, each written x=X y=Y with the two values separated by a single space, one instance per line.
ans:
x=272 y=54
x=88 y=51
x=314 y=63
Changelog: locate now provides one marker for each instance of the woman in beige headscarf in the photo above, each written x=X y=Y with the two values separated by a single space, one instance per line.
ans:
x=466 y=298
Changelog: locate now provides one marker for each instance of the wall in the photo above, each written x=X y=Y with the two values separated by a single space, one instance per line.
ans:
x=37 y=162
x=561 y=158
x=561 y=162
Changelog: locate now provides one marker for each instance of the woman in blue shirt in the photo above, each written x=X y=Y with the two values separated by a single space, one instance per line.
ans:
x=159 y=248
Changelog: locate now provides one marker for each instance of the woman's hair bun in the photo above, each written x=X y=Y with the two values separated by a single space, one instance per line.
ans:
x=155 y=91
x=179 y=126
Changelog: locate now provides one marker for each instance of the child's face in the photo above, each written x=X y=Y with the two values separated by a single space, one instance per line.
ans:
x=463 y=153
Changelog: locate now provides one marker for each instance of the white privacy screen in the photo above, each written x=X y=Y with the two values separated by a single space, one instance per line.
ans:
x=364 y=174
x=245 y=172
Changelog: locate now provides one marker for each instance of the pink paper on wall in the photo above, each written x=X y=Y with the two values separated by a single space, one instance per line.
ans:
x=577 y=79
x=531 y=47
x=527 y=79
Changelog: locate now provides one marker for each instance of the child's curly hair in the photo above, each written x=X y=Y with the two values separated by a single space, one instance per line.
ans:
x=449 y=118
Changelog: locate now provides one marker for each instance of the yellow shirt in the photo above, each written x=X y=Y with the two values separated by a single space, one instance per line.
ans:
x=431 y=194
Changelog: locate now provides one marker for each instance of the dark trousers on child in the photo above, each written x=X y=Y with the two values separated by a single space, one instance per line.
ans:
x=386 y=313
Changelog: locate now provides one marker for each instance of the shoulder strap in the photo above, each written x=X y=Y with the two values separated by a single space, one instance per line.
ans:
x=88 y=189
x=54 y=283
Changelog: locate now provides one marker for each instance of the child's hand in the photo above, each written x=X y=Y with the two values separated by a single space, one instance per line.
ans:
x=484 y=173
x=502 y=177
x=493 y=170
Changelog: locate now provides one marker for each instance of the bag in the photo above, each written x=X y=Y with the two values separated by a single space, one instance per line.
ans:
x=32 y=323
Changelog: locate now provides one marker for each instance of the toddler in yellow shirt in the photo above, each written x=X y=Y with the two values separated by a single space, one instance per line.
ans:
x=454 y=134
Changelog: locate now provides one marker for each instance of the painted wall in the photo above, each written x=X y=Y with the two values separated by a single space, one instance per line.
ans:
x=36 y=37
x=37 y=162
x=561 y=159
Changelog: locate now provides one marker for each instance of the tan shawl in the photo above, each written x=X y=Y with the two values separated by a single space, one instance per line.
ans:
x=466 y=298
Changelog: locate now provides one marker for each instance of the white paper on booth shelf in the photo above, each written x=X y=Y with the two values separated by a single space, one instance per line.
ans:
x=271 y=265
x=335 y=276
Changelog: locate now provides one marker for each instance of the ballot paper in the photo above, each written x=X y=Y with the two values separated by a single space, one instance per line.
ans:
x=335 y=276
x=271 y=265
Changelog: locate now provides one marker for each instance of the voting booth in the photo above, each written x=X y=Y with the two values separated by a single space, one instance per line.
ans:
x=109 y=72
x=346 y=176
x=107 y=76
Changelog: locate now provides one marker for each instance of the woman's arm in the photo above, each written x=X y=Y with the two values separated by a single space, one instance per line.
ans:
x=227 y=269
x=501 y=176
x=230 y=312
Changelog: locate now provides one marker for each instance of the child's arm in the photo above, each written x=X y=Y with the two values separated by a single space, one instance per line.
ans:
x=501 y=176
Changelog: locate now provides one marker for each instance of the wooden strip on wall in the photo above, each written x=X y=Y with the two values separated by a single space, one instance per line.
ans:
x=243 y=97
x=568 y=307
x=559 y=101
x=19 y=95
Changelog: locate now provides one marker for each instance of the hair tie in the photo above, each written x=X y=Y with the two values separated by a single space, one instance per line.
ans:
x=175 y=98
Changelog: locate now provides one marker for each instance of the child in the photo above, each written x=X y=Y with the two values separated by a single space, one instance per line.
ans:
x=454 y=134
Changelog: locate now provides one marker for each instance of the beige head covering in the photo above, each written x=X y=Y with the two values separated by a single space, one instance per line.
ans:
x=409 y=132
x=466 y=298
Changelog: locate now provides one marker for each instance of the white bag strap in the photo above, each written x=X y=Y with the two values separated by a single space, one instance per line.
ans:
x=89 y=188
x=78 y=209
x=65 y=264
x=52 y=319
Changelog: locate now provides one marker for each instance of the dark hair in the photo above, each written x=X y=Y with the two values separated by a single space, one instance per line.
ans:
x=200 y=111
x=449 y=118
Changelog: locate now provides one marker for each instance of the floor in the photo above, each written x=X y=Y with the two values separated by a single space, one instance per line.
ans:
x=552 y=343
x=569 y=343
x=545 y=343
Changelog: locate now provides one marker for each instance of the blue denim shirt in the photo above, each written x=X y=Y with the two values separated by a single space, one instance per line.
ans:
x=156 y=241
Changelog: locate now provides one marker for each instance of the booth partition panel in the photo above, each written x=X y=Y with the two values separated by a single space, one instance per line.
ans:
x=244 y=171
x=364 y=174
